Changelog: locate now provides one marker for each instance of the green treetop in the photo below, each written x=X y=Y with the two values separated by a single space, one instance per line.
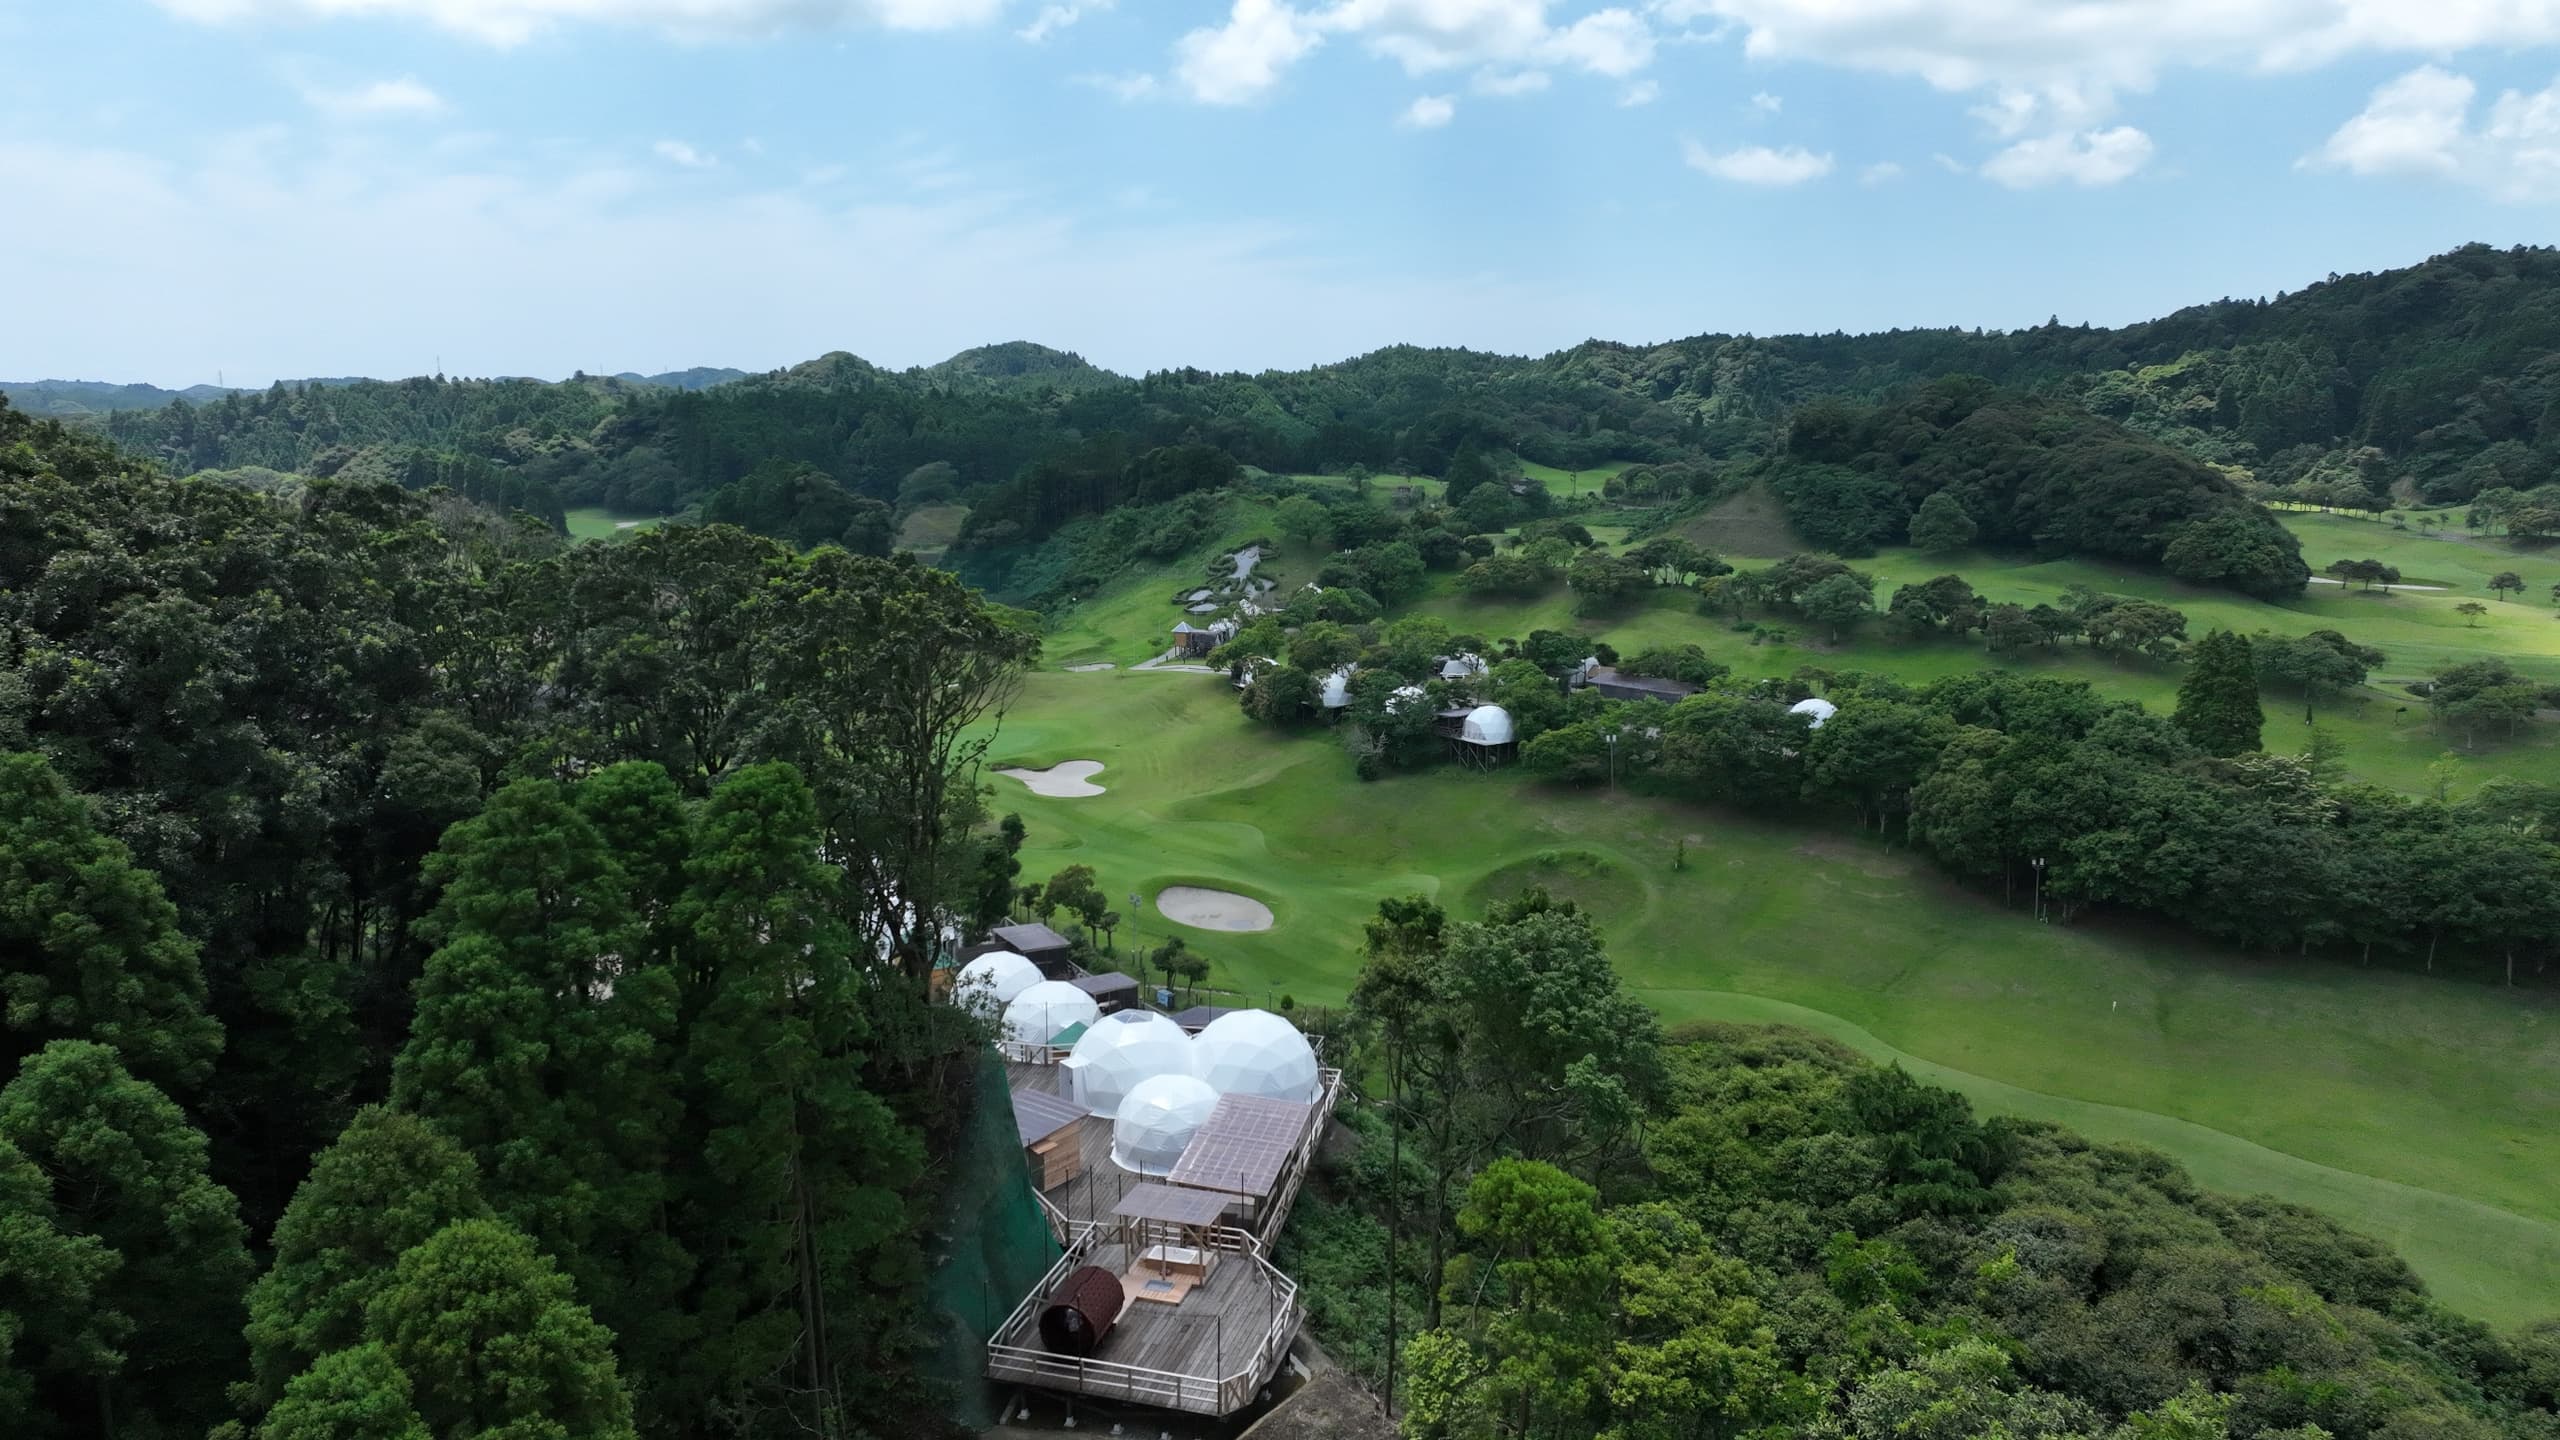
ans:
x=2218 y=699
x=89 y=946
x=1942 y=523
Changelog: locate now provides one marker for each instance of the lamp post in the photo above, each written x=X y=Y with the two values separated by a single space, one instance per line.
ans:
x=2038 y=862
x=1612 y=738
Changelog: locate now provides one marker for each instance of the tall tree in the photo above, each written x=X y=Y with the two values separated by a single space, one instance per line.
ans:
x=391 y=1181
x=2218 y=700
x=796 y=1206
x=129 y=1170
x=52 y=1330
x=354 y=1394
x=494 y=1341
x=541 y=1046
x=89 y=946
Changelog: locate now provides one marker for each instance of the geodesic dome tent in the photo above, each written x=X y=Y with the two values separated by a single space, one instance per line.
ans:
x=1817 y=707
x=1117 y=1053
x=1337 y=690
x=1487 y=725
x=989 y=983
x=1403 y=696
x=1462 y=667
x=1254 y=1052
x=1157 y=1121
x=1040 y=1012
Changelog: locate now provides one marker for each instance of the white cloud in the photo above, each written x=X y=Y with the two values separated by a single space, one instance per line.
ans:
x=1758 y=164
x=1642 y=92
x=512 y=22
x=1056 y=17
x=2079 y=157
x=517 y=260
x=404 y=96
x=1429 y=112
x=1244 y=58
x=1767 y=104
x=677 y=152
x=1509 y=83
x=1881 y=172
x=2420 y=124
x=1242 y=61
x=2093 y=46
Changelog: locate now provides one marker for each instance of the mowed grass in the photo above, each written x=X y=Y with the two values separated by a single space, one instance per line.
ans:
x=2419 y=1109
x=929 y=530
x=1574 y=482
x=595 y=522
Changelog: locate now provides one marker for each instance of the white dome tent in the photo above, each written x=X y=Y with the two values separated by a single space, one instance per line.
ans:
x=1404 y=695
x=1157 y=1121
x=1817 y=707
x=1337 y=690
x=1117 y=1053
x=1487 y=725
x=1254 y=1052
x=989 y=983
x=1037 y=1014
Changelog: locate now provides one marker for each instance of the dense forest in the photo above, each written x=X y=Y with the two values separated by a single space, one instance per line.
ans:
x=459 y=984
x=2434 y=383
x=1560 y=1221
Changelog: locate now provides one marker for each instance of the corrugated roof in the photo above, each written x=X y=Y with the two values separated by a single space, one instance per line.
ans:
x=1108 y=983
x=1175 y=1207
x=1030 y=938
x=1243 y=1146
x=1199 y=1016
x=1039 y=1115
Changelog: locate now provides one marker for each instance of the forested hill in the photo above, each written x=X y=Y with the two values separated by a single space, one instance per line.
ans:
x=71 y=399
x=2435 y=382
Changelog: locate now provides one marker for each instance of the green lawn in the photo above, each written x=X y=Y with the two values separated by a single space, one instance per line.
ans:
x=1574 y=482
x=595 y=522
x=929 y=530
x=2420 y=1109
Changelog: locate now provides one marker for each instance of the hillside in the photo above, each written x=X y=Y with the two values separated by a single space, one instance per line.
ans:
x=2436 y=383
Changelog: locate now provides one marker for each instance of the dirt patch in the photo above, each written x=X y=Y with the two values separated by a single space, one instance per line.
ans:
x=1858 y=857
x=1205 y=909
x=1068 y=780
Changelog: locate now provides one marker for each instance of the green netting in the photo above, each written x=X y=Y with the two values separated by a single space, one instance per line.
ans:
x=996 y=1246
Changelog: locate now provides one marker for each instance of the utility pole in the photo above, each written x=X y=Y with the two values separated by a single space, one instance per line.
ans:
x=2038 y=862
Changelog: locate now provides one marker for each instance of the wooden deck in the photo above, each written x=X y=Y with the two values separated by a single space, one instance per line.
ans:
x=1209 y=1355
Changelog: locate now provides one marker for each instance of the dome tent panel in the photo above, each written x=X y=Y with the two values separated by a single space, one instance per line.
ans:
x=1119 y=1052
x=1037 y=1015
x=991 y=982
x=1487 y=725
x=1157 y=1121
x=1254 y=1052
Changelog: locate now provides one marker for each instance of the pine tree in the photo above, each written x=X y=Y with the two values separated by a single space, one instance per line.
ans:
x=129 y=1170
x=1942 y=523
x=89 y=945
x=540 y=1045
x=355 y=1394
x=796 y=1206
x=494 y=1341
x=390 y=1182
x=2218 y=700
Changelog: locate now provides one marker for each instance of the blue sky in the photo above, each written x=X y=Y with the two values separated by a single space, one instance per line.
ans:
x=264 y=188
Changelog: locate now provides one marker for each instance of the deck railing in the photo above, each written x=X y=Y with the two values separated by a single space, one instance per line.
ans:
x=1137 y=1384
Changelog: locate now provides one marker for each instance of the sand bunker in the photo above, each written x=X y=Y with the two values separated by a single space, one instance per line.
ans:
x=1089 y=669
x=1072 y=780
x=1212 y=909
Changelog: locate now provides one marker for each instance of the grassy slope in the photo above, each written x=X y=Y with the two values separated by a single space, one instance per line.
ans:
x=2420 y=1110
x=595 y=522
x=930 y=529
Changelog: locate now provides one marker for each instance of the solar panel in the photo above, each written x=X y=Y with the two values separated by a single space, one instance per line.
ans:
x=1243 y=1146
x=1037 y=1115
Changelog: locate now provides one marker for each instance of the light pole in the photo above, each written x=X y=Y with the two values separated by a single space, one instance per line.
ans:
x=2038 y=862
x=1612 y=738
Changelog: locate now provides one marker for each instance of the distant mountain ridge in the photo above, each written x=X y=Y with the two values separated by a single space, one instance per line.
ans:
x=64 y=399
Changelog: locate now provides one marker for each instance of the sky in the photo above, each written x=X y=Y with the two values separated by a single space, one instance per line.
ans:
x=246 y=190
